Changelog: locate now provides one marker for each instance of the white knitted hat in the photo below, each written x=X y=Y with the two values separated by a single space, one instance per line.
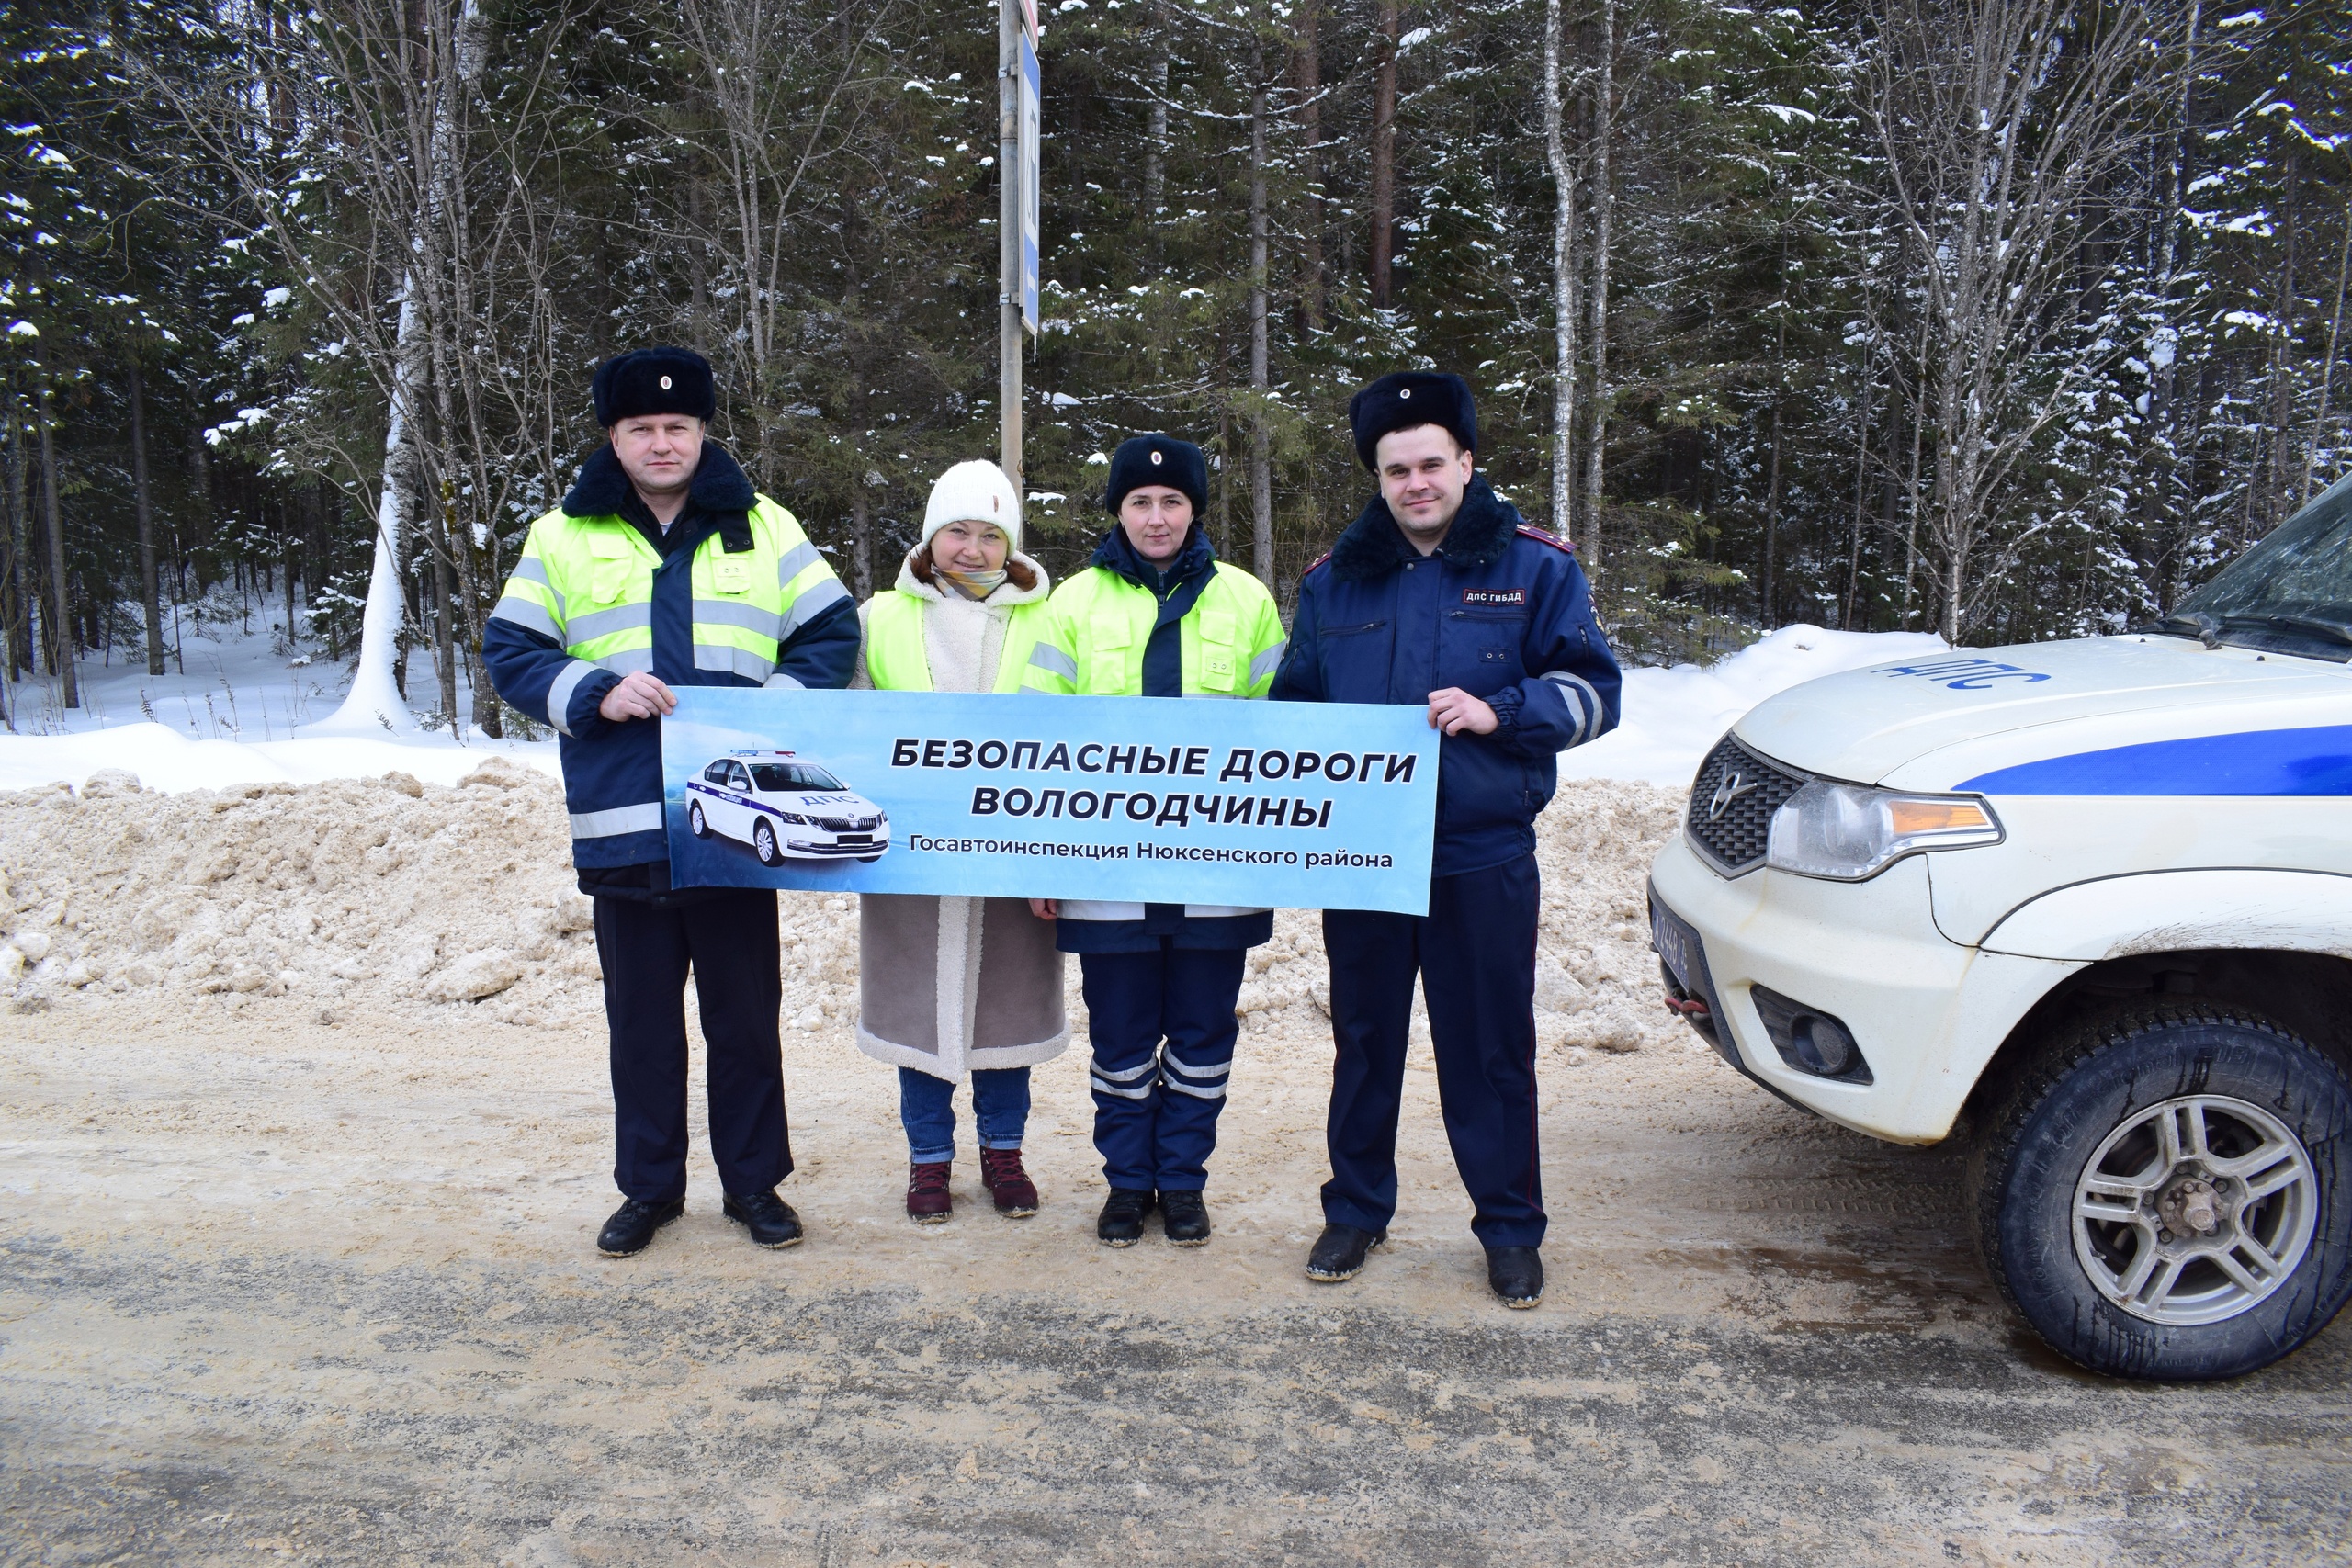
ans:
x=976 y=491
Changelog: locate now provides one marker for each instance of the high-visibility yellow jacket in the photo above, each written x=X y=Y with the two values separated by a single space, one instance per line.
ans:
x=1100 y=640
x=899 y=659
x=740 y=599
x=1095 y=640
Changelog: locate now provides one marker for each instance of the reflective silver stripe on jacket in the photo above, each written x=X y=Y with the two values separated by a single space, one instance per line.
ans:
x=1589 y=716
x=529 y=614
x=726 y=656
x=1054 y=662
x=820 y=597
x=604 y=622
x=628 y=661
x=795 y=561
x=1267 y=663
x=645 y=819
x=729 y=612
x=531 y=569
x=559 y=692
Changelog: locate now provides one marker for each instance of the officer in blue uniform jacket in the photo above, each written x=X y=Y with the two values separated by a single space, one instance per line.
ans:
x=1439 y=596
x=650 y=505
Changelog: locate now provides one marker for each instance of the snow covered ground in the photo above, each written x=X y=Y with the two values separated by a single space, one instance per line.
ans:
x=237 y=714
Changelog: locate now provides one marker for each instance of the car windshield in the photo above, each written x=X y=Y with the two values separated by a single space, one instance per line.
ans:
x=2291 y=594
x=792 y=775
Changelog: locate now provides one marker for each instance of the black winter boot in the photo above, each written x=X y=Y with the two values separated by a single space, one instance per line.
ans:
x=1339 y=1253
x=1185 y=1217
x=632 y=1228
x=1121 y=1223
x=768 y=1217
x=1517 y=1275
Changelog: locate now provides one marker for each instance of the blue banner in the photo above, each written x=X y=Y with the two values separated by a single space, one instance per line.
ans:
x=1155 y=799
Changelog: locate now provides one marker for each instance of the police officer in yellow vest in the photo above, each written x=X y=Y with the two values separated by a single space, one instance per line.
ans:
x=664 y=569
x=952 y=987
x=1157 y=615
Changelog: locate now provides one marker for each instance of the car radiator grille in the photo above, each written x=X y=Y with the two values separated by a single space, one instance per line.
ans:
x=845 y=824
x=1732 y=801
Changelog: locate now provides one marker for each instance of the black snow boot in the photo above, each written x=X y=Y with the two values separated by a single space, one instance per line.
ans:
x=1185 y=1217
x=1339 y=1253
x=1122 y=1213
x=632 y=1226
x=1517 y=1275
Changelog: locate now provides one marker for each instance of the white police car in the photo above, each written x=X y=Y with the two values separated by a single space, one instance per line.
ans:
x=2089 y=904
x=784 y=808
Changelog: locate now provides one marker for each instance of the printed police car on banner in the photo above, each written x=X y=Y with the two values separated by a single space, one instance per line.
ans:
x=1322 y=805
x=785 y=808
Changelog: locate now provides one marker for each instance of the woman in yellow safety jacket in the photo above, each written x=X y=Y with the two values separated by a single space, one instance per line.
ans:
x=1157 y=615
x=957 y=986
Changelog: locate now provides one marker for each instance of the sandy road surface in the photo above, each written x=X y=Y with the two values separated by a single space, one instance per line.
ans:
x=309 y=1278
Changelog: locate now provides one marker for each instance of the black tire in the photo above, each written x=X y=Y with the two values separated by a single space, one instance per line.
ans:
x=869 y=860
x=763 y=844
x=2102 y=1076
x=695 y=824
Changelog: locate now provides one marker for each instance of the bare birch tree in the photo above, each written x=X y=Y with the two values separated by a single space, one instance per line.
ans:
x=2001 y=122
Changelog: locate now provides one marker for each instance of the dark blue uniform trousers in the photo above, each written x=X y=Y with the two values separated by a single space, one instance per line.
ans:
x=1475 y=954
x=728 y=940
x=1155 y=1108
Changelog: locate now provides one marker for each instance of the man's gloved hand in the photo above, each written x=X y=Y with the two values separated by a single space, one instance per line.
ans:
x=638 y=695
x=1453 y=710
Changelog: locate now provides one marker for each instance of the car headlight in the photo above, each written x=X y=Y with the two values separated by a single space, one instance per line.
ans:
x=881 y=817
x=797 y=821
x=1848 y=832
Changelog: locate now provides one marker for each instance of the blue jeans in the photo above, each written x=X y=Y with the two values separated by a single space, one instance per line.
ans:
x=927 y=1110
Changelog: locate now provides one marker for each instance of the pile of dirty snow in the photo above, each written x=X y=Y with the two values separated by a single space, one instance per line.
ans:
x=391 y=894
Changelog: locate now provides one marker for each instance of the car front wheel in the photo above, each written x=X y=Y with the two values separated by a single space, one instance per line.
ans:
x=764 y=845
x=2164 y=1194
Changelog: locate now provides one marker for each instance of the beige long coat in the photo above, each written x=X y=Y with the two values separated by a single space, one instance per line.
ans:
x=949 y=985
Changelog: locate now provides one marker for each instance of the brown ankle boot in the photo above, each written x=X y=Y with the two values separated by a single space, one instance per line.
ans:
x=928 y=1202
x=1000 y=1173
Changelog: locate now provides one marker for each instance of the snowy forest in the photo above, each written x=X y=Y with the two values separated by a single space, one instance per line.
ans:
x=2000 y=319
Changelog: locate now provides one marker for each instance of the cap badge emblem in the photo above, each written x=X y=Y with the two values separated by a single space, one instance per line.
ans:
x=1404 y=392
x=665 y=383
x=1155 y=457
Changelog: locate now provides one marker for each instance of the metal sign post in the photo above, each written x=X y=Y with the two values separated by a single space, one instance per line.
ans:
x=1032 y=134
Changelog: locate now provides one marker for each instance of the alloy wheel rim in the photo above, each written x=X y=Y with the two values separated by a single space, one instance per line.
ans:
x=2195 y=1209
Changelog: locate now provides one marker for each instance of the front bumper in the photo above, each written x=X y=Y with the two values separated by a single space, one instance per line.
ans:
x=830 y=847
x=1926 y=1012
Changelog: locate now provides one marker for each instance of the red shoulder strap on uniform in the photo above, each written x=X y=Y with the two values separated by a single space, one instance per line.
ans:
x=1318 y=561
x=1540 y=538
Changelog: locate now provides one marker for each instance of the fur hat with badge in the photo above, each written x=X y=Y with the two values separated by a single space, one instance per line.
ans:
x=973 y=491
x=1157 y=461
x=1408 y=399
x=647 y=381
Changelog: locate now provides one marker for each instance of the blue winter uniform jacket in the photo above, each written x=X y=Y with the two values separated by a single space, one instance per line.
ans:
x=607 y=764
x=1502 y=611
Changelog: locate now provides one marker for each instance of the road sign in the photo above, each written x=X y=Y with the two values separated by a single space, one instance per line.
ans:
x=1032 y=134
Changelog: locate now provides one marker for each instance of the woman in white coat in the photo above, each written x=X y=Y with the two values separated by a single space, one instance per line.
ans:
x=955 y=987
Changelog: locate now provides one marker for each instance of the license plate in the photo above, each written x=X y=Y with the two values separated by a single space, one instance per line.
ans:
x=853 y=838
x=1666 y=936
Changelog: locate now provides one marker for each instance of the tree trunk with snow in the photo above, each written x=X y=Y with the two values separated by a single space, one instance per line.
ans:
x=1564 y=284
x=1596 y=412
x=1383 y=154
x=1261 y=481
x=150 y=601
x=374 y=702
x=62 y=616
